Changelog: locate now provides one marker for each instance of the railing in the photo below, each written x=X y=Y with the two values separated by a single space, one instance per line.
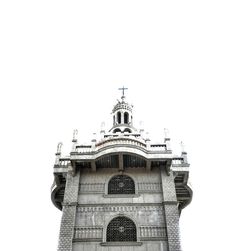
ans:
x=179 y=162
x=112 y=140
x=91 y=187
x=62 y=163
x=84 y=149
x=88 y=232
x=149 y=187
x=152 y=231
x=158 y=147
x=109 y=142
x=119 y=141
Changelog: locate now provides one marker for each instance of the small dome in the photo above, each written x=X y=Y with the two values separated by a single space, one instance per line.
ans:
x=122 y=105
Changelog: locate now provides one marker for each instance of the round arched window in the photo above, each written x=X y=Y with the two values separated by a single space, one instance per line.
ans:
x=126 y=118
x=121 y=184
x=119 y=118
x=127 y=130
x=121 y=229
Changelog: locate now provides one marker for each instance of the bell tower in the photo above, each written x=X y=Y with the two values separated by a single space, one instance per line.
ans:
x=120 y=192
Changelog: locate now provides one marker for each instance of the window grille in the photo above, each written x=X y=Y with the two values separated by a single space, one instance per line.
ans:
x=121 y=184
x=121 y=229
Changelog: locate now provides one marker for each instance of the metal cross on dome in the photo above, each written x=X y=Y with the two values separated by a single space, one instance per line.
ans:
x=123 y=89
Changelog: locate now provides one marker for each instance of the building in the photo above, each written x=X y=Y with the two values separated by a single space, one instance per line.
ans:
x=121 y=192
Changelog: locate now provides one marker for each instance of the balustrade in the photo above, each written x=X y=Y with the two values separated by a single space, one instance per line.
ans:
x=88 y=233
x=152 y=231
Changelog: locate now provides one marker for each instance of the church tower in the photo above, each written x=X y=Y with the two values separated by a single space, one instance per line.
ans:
x=121 y=192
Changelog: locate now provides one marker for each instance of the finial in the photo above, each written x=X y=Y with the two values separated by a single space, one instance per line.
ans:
x=184 y=153
x=141 y=126
x=147 y=140
x=166 y=133
x=123 y=94
x=94 y=137
x=182 y=147
x=103 y=127
x=75 y=132
x=59 y=147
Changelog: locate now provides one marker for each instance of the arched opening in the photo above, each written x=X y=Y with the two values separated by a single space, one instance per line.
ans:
x=127 y=130
x=121 y=184
x=126 y=118
x=121 y=229
x=117 y=130
x=119 y=118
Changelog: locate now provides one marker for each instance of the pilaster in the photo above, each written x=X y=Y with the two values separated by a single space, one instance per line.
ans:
x=171 y=210
x=69 y=212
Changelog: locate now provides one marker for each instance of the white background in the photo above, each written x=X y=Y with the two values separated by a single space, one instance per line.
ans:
x=186 y=64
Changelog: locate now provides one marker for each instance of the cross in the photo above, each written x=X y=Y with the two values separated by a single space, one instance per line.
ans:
x=123 y=89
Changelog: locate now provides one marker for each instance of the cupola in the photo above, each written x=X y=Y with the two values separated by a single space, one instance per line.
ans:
x=122 y=116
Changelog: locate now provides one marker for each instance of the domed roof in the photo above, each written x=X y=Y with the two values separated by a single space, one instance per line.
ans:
x=122 y=105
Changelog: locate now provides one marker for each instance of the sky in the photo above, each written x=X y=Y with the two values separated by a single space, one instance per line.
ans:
x=186 y=65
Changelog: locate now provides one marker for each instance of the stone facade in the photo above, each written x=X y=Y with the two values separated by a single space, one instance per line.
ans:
x=120 y=193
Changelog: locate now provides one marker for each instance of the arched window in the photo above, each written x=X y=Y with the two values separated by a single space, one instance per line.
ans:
x=119 y=118
x=117 y=130
x=127 y=130
x=121 y=184
x=126 y=118
x=121 y=229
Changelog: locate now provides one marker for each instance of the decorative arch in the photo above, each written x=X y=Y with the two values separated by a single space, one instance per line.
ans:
x=117 y=130
x=127 y=130
x=121 y=229
x=121 y=184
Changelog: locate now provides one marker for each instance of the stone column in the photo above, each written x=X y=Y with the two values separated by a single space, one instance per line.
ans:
x=122 y=117
x=171 y=210
x=69 y=212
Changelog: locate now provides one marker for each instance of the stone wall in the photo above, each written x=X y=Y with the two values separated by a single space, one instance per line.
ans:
x=95 y=246
x=96 y=209
x=93 y=187
x=88 y=209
